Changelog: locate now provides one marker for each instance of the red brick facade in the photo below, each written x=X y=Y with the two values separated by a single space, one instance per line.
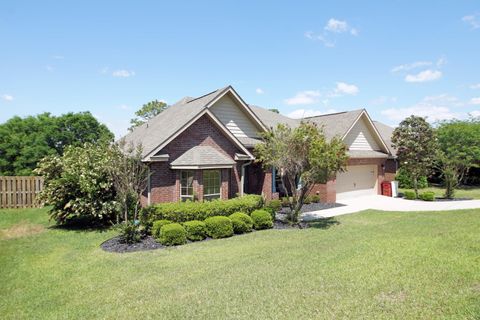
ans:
x=165 y=182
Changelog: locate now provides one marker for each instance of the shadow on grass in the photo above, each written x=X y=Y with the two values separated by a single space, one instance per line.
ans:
x=322 y=223
x=82 y=224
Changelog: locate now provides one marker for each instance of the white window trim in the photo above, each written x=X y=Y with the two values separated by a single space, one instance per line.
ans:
x=219 y=194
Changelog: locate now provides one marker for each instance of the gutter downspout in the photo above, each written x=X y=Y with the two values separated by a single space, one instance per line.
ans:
x=242 y=178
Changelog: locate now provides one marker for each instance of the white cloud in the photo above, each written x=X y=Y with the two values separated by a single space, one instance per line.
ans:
x=304 y=113
x=435 y=108
x=441 y=61
x=345 y=88
x=472 y=20
x=123 y=73
x=304 y=97
x=334 y=25
x=410 y=66
x=475 y=101
x=259 y=91
x=424 y=76
x=475 y=86
x=320 y=37
x=58 y=57
x=475 y=113
x=7 y=97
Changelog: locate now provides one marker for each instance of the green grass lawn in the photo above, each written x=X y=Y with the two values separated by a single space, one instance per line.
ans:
x=368 y=265
x=463 y=192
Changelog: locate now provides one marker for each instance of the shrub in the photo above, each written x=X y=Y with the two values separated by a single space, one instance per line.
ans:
x=241 y=222
x=157 y=226
x=285 y=202
x=262 y=219
x=316 y=198
x=406 y=182
x=173 y=234
x=187 y=211
x=427 y=196
x=307 y=200
x=196 y=230
x=409 y=195
x=130 y=232
x=219 y=227
x=276 y=205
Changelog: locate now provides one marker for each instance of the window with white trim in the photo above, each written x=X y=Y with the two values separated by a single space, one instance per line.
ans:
x=211 y=184
x=186 y=185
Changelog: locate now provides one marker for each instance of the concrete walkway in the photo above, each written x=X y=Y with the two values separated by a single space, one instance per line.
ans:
x=389 y=204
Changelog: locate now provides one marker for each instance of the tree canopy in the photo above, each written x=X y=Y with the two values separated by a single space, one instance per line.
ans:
x=25 y=141
x=416 y=147
x=303 y=157
x=146 y=112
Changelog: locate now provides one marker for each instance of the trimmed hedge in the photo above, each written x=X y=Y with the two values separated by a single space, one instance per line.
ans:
x=196 y=230
x=241 y=222
x=219 y=227
x=187 y=211
x=262 y=219
x=157 y=226
x=427 y=196
x=276 y=205
x=316 y=198
x=409 y=195
x=173 y=234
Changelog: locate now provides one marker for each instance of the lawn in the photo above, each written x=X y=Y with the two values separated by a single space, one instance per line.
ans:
x=367 y=265
x=463 y=192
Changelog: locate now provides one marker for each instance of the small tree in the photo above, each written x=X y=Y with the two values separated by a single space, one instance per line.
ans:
x=415 y=142
x=303 y=157
x=129 y=175
x=147 y=112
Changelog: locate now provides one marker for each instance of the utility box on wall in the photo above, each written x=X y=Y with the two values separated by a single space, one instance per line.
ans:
x=387 y=188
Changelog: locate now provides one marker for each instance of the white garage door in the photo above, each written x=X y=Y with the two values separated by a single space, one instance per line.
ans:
x=356 y=181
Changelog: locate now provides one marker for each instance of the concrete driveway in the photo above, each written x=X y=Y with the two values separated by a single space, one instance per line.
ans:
x=389 y=204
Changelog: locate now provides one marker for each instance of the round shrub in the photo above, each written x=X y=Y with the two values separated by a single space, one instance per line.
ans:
x=409 y=195
x=427 y=196
x=219 y=227
x=316 y=198
x=262 y=219
x=307 y=200
x=173 y=234
x=276 y=205
x=196 y=230
x=241 y=222
x=157 y=226
x=285 y=202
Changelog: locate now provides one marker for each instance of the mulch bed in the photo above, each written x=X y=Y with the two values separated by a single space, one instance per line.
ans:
x=313 y=207
x=149 y=243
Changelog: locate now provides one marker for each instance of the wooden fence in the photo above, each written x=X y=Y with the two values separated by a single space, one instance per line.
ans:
x=20 y=192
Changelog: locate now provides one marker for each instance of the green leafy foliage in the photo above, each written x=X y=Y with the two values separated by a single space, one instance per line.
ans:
x=25 y=141
x=241 y=222
x=173 y=234
x=427 y=196
x=262 y=219
x=410 y=195
x=79 y=184
x=315 y=198
x=157 y=226
x=148 y=111
x=130 y=232
x=416 y=146
x=196 y=230
x=302 y=153
x=275 y=204
x=219 y=227
x=406 y=181
x=186 y=211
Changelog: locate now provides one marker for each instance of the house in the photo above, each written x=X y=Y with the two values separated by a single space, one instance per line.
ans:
x=202 y=148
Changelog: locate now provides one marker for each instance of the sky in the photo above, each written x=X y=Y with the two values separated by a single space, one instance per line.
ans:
x=394 y=58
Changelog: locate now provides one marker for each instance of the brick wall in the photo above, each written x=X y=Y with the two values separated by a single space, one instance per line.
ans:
x=165 y=184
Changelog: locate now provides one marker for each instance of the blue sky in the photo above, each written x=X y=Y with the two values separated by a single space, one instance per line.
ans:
x=393 y=58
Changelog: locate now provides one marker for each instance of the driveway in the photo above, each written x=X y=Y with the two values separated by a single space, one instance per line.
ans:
x=390 y=204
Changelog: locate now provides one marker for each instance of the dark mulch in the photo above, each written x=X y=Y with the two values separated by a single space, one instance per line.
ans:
x=313 y=207
x=454 y=199
x=115 y=245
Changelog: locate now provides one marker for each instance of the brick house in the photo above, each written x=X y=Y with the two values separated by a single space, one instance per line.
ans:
x=202 y=148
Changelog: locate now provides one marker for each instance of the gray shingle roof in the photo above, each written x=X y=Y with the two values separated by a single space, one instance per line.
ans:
x=366 y=154
x=158 y=129
x=271 y=119
x=203 y=156
x=386 y=133
x=336 y=124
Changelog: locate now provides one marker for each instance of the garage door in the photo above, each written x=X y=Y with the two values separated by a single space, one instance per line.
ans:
x=356 y=181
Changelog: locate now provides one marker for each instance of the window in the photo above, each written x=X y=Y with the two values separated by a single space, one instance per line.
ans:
x=186 y=185
x=211 y=184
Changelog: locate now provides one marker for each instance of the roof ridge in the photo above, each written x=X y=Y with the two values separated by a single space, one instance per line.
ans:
x=333 y=113
x=214 y=91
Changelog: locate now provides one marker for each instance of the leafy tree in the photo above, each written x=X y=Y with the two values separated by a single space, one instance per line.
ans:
x=79 y=183
x=303 y=155
x=148 y=111
x=274 y=110
x=24 y=141
x=416 y=147
x=459 y=144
